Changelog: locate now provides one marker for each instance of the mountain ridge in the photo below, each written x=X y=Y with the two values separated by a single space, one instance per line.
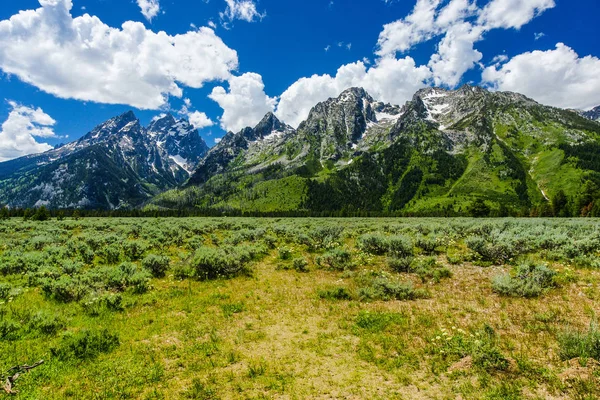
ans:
x=443 y=150
x=132 y=162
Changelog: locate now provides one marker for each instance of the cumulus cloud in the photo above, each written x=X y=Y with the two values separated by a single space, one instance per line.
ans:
x=241 y=9
x=20 y=130
x=199 y=120
x=245 y=103
x=456 y=54
x=390 y=80
x=512 y=13
x=462 y=24
x=150 y=8
x=557 y=77
x=82 y=58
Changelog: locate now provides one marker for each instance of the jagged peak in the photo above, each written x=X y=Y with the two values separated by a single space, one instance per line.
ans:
x=354 y=93
x=128 y=116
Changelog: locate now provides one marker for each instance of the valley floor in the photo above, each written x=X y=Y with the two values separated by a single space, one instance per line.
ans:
x=301 y=308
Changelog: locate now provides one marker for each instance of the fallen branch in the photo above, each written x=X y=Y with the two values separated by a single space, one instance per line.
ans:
x=16 y=372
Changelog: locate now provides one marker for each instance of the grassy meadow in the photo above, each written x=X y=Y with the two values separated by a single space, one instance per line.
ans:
x=242 y=308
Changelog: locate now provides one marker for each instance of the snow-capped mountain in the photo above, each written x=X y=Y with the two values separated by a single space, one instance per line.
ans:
x=118 y=164
x=434 y=154
x=593 y=114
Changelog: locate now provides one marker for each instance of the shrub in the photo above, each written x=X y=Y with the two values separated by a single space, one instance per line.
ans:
x=86 y=345
x=285 y=253
x=209 y=263
x=336 y=293
x=400 y=246
x=64 y=289
x=325 y=236
x=4 y=290
x=47 y=324
x=429 y=269
x=134 y=250
x=400 y=265
x=529 y=281
x=373 y=244
x=300 y=265
x=498 y=252
x=9 y=330
x=427 y=244
x=111 y=254
x=157 y=265
x=336 y=259
x=381 y=286
x=584 y=345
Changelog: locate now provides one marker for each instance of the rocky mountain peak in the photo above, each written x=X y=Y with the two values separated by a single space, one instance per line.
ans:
x=593 y=114
x=269 y=124
x=162 y=123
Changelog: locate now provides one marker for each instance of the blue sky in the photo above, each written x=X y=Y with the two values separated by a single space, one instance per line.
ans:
x=59 y=80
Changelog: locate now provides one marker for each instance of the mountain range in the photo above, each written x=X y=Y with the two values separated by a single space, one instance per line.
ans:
x=438 y=153
x=119 y=164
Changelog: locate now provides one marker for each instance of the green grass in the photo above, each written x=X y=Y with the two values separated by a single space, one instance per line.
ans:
x=205 y=308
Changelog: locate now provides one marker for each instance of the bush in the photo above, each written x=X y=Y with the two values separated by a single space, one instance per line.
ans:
x=157 y=265
x=498 y=252
x=86 y=345
x=134 y=250
x=381 y=286
x=111 y=254
x=427 y=244
x=336 y=259
x=429 y=269
x=373 y=244
x=584 y=345
x=325 y=236
x=529 y=281
x=4 y=290
x=336 y=293
x=400 y=246
x=64 y=289
x=9 y=330
x=209 y=263
x=47 y=324
x=400 y=265
x=285 y=253
x=300 y=265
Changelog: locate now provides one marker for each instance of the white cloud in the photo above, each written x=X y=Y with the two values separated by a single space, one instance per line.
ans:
x=245 y=103
x=456 y=54
x=390 y=80
x=20 y=130
x=512 y=13
x=241 y=9
x=556 y=77
x=150 y=8
x=84 y=59
x=401 y=35
x=199 y=120
x=538 y=35
x=462 y=23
